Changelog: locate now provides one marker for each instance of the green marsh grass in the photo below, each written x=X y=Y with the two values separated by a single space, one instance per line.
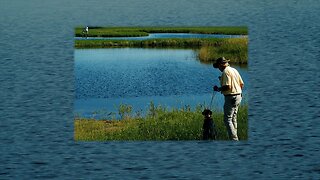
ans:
x=160 y=123
x=235 y=49
x=144 y=31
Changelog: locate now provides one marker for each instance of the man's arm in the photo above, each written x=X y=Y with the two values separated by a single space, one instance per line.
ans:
x=224 y=88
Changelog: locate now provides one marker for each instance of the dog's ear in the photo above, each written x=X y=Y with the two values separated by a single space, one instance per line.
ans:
x=206 y=112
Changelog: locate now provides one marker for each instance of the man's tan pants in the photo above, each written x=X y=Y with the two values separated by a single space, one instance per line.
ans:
x=231 y=105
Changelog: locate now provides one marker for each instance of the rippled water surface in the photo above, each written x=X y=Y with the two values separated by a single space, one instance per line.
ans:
x=38 y=91
x=106 y=78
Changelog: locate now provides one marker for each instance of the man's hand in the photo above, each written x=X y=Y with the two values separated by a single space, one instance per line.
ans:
x=215 y=88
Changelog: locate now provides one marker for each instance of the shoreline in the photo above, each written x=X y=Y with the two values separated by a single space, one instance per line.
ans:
x=159 y=124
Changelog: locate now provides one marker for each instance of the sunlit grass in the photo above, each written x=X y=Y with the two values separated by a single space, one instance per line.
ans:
x=234 y=49
x=160 y=123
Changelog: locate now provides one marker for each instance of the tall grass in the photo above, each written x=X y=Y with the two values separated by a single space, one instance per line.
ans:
x=234 y=49
x=159 y=124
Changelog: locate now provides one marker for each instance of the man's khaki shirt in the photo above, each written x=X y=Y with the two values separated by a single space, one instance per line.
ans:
x=230 y=76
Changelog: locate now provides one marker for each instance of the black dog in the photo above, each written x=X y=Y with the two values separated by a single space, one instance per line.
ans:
x=209 y=132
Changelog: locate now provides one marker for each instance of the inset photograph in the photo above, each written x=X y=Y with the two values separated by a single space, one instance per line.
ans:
x=161 y=83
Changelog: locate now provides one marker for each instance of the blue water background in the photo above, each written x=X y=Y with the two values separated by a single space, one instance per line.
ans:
x=37 y=92
x=173 y=78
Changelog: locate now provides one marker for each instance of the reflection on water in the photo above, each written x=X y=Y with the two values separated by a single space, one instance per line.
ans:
x=106 y=78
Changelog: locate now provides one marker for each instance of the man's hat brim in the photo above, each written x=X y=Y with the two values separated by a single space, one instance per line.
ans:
x=219 y=61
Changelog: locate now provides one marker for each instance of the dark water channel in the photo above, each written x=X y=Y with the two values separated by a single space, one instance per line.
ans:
x=106 y=78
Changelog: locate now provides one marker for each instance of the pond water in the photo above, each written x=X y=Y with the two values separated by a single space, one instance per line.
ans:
x=168 y=35
x=106 y=78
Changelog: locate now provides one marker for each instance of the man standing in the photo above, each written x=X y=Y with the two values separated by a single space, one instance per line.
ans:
x=86 y=31
x=231 y=87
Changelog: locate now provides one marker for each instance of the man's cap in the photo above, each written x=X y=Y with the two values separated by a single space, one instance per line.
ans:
x=219 y=61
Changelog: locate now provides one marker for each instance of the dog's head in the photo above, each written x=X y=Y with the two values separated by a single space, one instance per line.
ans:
x=207 y=113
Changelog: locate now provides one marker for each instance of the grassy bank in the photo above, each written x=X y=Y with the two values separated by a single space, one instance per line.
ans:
x=150 y=43
x=159 y=124
x=144 y=31
x=235 y=49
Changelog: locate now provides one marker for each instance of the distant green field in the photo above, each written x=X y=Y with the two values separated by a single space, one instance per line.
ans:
x=144 y=31
x=159 y=124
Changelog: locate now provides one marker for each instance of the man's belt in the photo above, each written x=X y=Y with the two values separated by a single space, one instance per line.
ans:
x=232 y=94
